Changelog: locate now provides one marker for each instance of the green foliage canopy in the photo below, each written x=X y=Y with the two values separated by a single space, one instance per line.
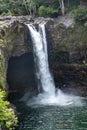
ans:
x=47 y=11
x=24 y=7
x=81 y=13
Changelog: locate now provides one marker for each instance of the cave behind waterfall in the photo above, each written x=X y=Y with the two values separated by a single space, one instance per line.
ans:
x=21 y=74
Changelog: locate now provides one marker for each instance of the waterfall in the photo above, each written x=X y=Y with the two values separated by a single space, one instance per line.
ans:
x=43 y=74
x=48 y=94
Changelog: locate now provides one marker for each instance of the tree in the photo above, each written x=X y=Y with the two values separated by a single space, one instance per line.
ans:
x=30 y=6
x=61 y=2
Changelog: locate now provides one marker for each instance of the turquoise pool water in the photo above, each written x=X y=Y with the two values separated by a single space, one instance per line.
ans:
x=52 y=117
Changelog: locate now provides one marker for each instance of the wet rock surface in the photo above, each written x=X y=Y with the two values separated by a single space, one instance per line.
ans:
x=67 y=45
x=71 y=78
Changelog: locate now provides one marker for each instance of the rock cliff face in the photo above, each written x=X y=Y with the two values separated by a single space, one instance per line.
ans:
x=68 y=54
x=67 y=44
x=14 y=42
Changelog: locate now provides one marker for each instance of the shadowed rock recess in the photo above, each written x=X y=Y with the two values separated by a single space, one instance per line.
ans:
x=67 y=45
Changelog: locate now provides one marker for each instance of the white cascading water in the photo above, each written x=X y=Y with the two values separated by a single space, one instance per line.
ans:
x=41 y=59
x=49 y=95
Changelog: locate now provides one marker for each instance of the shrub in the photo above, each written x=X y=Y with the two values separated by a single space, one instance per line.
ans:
x=42 y=11
x=46 y=11
x=7 y=116
x=10 y=7
x=80 y=13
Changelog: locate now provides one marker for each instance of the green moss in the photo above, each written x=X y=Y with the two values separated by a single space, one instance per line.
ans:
x=2 y=82
x=3 y=42
x=2 y=71
x=1 y=22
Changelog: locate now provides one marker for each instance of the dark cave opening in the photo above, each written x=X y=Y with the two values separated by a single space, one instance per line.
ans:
x=21 y=74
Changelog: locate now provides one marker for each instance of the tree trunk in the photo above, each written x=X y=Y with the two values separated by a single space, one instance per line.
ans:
x=61 y=2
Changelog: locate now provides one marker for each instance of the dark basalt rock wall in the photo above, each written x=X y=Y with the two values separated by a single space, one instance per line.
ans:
x=21 y=74
x=14 y=42
x=67 y=55
x=67 y=43
x=71 y=78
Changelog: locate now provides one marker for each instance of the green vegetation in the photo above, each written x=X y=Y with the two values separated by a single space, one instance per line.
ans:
x=2 y=72
x=47 y=11
x=8 y=119
x=7 y=116
x=45 y=8
x=81 y=13
x=11 y=7
x=1 y=22
x=42 y=8
x=36 y=7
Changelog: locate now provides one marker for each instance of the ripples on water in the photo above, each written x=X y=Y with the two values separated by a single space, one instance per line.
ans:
x=52 y=117
x=64 y=111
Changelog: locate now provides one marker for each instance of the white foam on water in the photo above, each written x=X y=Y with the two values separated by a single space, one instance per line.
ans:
x=49 y=94
x=60 y=99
